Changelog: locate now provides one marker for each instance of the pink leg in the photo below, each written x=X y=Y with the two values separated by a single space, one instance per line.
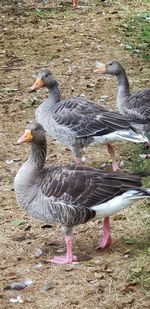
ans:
x=80 y=160
x=68 y=258
x=115 y=166
x=75 y=3
x=106 y=237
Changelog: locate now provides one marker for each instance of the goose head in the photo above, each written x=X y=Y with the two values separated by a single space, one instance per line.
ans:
x=112 y=67
x=34 y=133
x=44 y=78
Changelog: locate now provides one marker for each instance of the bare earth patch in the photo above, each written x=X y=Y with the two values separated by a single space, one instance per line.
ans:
x=50 y=34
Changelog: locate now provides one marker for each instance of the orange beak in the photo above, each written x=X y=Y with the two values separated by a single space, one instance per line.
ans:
x=37 y=84
x=26 y=137
x=100 y=68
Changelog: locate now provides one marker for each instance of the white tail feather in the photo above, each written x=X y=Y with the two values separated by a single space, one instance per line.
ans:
x=130 y=135
x=120 y=202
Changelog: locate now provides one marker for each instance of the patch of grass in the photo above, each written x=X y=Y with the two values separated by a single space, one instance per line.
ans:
x=53 y=56
x=140 y=276
x=43 y=13
x=141 y=246
x=139 y=268
x=133 y=162
x=54 y=13
x=137 y=33
x=47 y=13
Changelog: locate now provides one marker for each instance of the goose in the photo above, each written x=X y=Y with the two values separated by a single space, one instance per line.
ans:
x=70 y=195
x=78 y=122
x=136 y=107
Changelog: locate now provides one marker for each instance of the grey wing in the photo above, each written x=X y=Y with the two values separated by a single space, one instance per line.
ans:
x=72 y=191
x=88 y=119
x=62 y=189
x=140 y=103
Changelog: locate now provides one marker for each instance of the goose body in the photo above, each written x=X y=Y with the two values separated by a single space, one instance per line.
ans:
x=70 y=195
x=136 y=107
x=77 y=122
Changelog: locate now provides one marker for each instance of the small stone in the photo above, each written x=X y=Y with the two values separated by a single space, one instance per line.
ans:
x=38 y=266
x=19 y=258
x=9 y=161
x=38 y=253
x=16 y=300
x=48 y=286
x=119 y=217
x=19 y=285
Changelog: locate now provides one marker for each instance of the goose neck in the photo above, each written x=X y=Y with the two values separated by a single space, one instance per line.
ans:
x=54 y=94
x=123 y=90
x=38 y=155
x=123 y=83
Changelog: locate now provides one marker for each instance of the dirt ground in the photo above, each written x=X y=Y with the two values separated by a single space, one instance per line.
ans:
x=38 y=34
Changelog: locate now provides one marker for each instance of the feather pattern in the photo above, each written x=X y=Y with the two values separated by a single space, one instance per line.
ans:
x=85 y=186
x=86 y=118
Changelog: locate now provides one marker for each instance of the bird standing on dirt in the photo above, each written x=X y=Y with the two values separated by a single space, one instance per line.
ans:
x=69 y=195
x=77 y=122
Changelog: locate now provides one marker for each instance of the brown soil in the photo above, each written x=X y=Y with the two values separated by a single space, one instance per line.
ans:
x=59 y=39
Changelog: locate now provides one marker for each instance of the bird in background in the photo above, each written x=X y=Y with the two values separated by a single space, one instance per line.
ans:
x=135 y=107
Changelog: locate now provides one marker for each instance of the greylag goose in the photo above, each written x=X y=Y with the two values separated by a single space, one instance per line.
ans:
x=136 y=107
x=78 y=122
x=70 y=195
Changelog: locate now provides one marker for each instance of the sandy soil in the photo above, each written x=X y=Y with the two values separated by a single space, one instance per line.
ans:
x=50 y=34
